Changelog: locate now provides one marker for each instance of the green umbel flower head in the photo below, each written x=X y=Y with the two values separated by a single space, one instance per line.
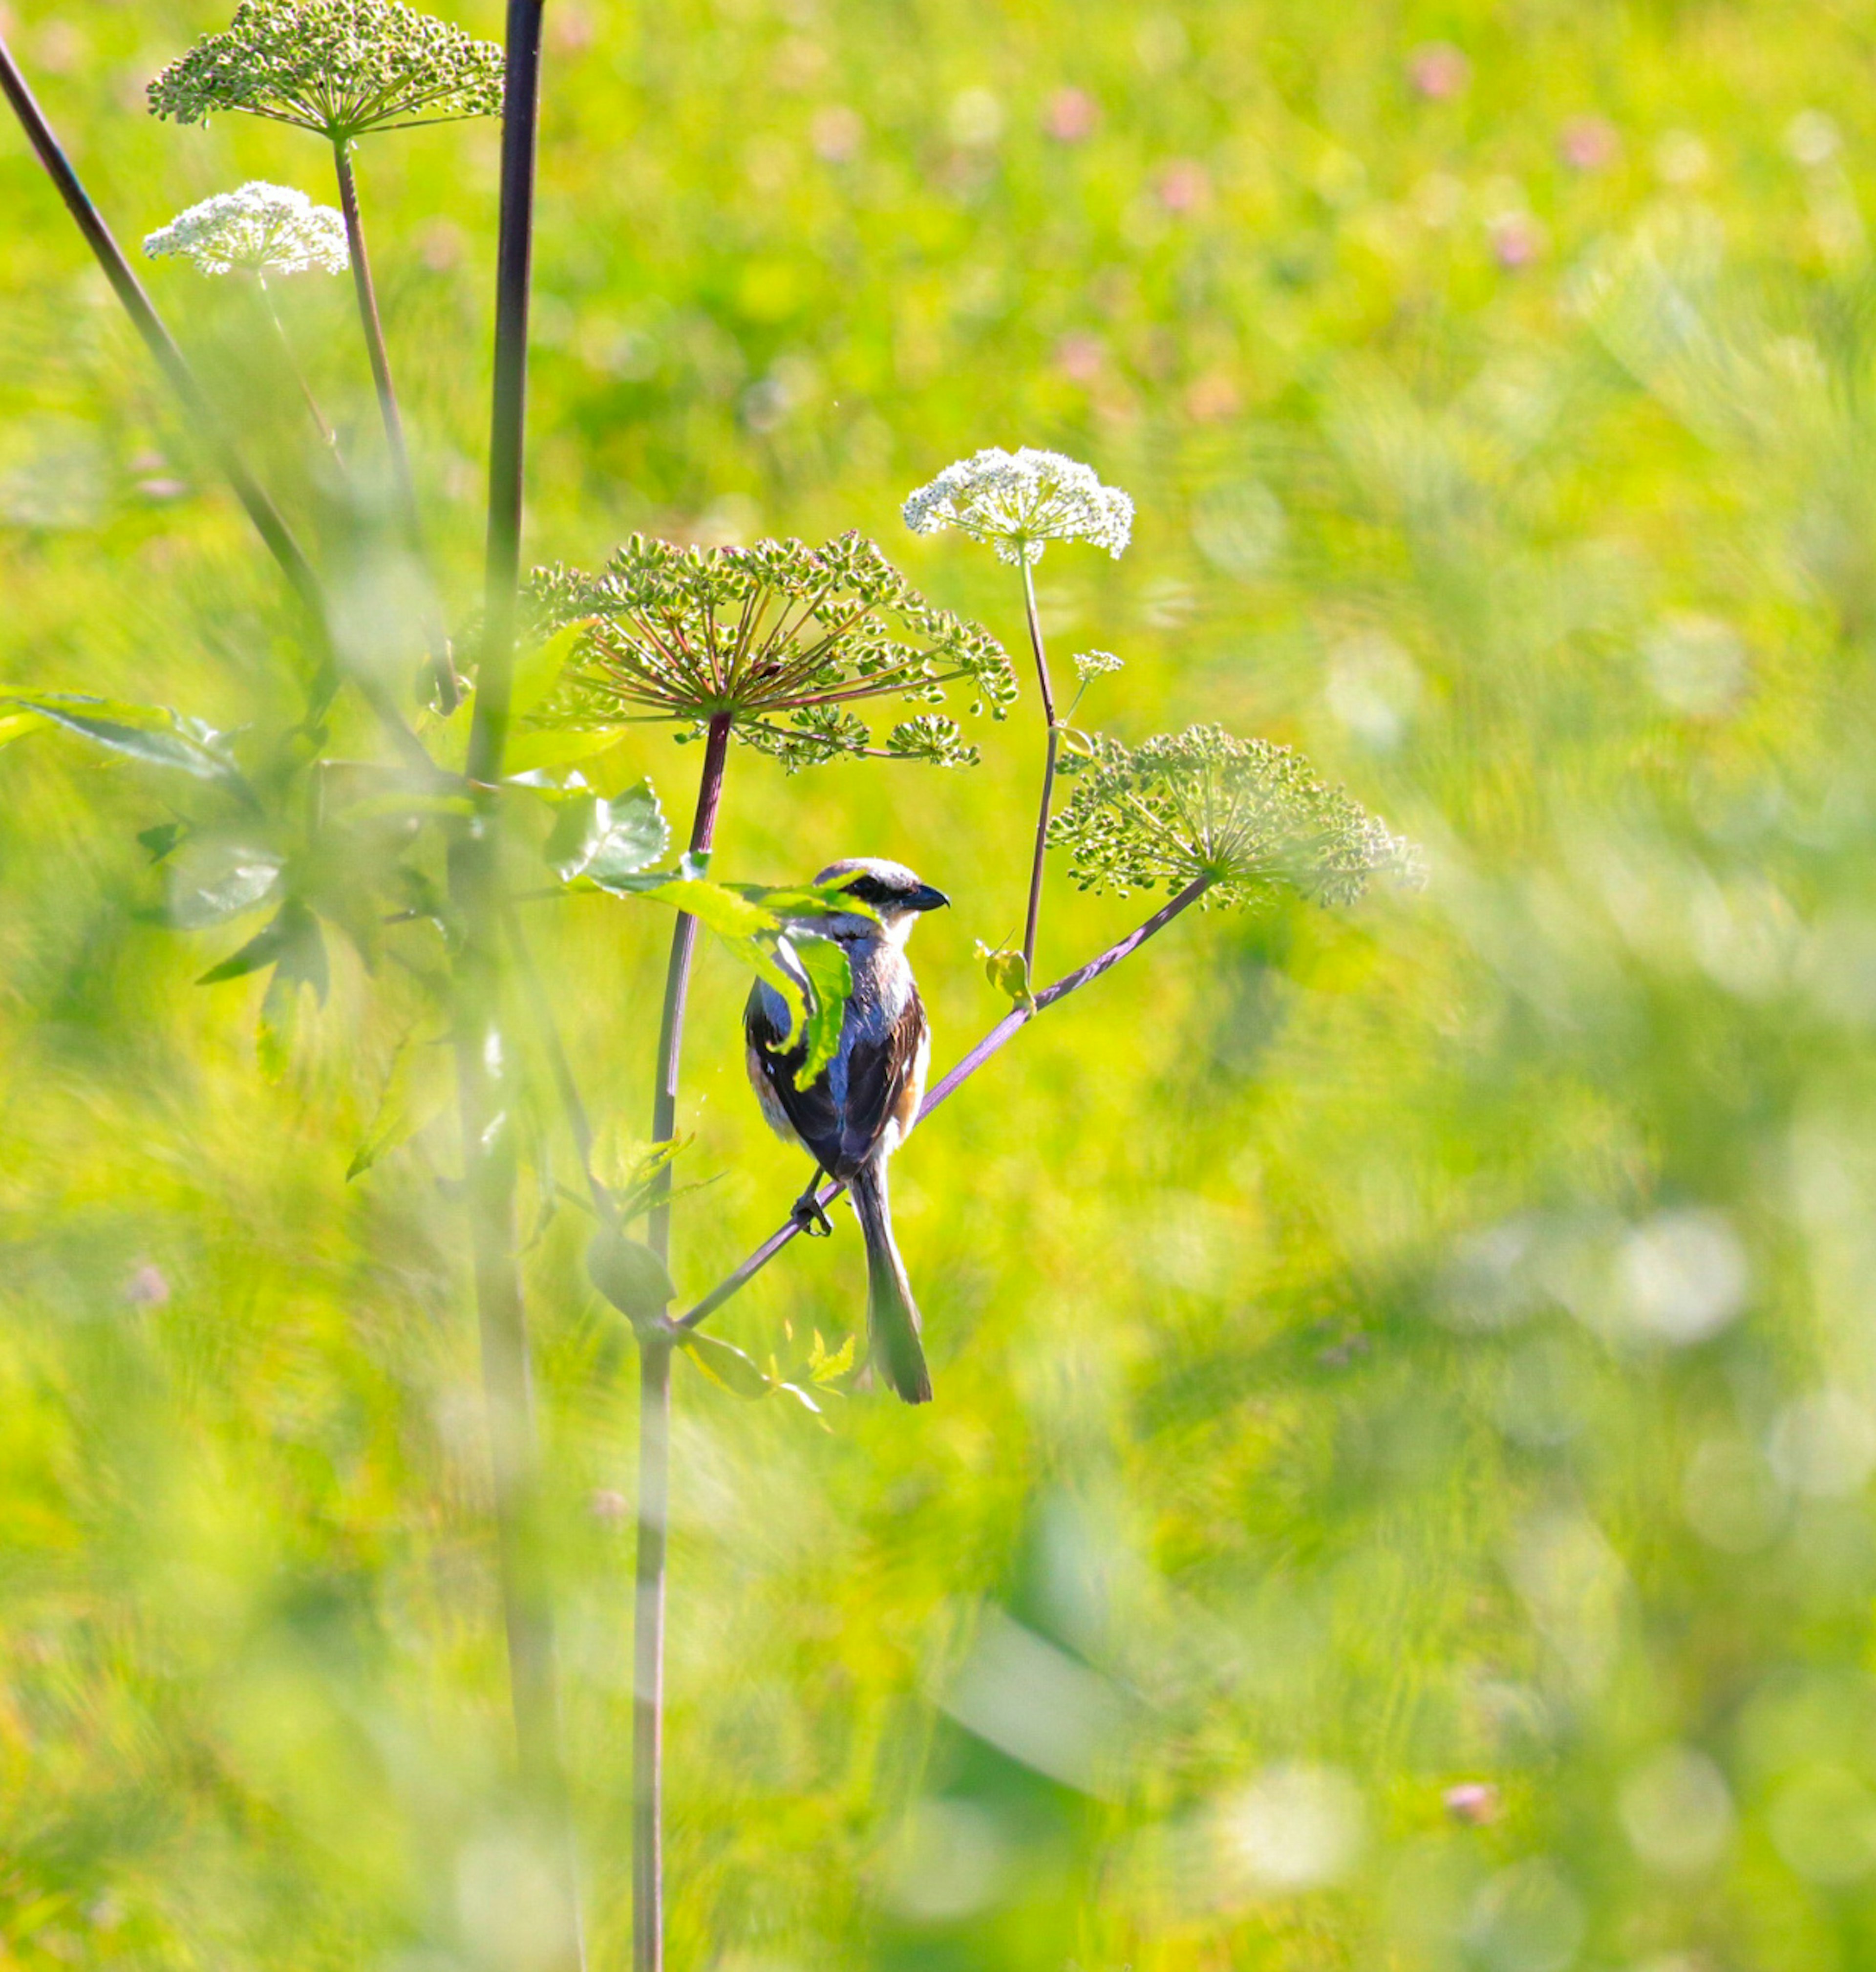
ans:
x=1249 y=815
x=784 y=638
x=341 y=68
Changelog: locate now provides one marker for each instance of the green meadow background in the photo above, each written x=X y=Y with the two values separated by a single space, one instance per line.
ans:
x=1396 y=1498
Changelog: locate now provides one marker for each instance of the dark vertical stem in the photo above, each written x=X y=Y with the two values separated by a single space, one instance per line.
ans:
x=654 y=1424
x=447 y=686
x=485 y=1093
x=678 y=986
x=1034 y=911
x=259 y=509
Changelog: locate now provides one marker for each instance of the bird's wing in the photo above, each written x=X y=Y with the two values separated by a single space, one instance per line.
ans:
x=809 y=1112
x=883 y=1079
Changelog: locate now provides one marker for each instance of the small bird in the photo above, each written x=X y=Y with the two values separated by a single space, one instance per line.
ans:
x=861 y=1107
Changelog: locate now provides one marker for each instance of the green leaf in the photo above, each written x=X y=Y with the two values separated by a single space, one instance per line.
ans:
x=152 y=734
x=637 y=834
x=830 y=980
x=607 y=841
x=292 y=941
x=537 y=672
x=714 y=904
x=417 y=1089
x=529 y=751
x=1009 y=972
x=217 y=877
x=301 y=961
x=630 y=1276
x=723 y=1363
x=17 y=724
x=162 y=839
x=823 y=1368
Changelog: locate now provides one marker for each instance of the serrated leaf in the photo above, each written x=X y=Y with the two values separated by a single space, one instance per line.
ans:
x=723 y=1363
x=823 y=1368
x=630 y=1276
x=417 y=1089
x=154 y=734
x=607 y=841
x=292 y=942
x=637 y=834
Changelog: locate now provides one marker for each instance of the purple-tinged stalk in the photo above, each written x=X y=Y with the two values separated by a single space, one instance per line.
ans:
x=999 y=1037
x=485 y=1100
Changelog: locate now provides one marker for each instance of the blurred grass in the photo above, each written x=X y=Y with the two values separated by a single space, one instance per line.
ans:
x=1375 y=1355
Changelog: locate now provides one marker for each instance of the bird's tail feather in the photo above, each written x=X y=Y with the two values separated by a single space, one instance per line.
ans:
x=892 y=1314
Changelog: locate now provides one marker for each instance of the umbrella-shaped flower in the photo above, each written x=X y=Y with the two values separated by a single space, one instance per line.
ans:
x=260 y=229
x=781 y=640
x=1247 y=817
x=1019 y=501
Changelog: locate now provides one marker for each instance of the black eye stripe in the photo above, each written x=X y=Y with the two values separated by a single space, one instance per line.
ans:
x=870 y=890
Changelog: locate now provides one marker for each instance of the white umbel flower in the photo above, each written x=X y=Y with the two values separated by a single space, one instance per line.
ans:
x=261 y=229
x=1019 y=500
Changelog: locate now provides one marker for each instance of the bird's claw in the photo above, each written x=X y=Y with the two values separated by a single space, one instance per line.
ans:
x=810 y=1217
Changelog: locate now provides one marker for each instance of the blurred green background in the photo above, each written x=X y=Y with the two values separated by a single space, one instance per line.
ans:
x=1397 y=1495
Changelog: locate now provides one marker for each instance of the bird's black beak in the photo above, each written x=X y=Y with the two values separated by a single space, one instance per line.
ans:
x=926 y=898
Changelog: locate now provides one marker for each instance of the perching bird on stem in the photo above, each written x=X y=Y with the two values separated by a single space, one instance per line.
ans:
x=862 y=1106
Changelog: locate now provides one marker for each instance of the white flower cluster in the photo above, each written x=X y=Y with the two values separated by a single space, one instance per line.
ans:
x=261 y=229
x=1096 y=664
x=1017 y=500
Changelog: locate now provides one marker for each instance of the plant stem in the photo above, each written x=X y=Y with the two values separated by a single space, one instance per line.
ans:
x=268 y=523
x=648 y=1601
x=655 y=1424
x=1048 y=774
x=1005 y=1031
x=325 y=431
x=273 y=530
x=678 y=986
x=484 y=1097
x=448 y=686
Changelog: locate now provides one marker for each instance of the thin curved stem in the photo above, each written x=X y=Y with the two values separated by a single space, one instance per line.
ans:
x=1005 y=1031
x=1034 y=913
x=654 y=1422
x=448 y=686
x=255 y=502
x=326 y=433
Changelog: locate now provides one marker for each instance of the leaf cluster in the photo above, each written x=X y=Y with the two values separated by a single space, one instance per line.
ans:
x=1247 y=815
x=340 y=68
x=783 y=639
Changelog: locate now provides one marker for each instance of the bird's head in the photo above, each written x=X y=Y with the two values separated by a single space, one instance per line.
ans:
x=896 y=897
